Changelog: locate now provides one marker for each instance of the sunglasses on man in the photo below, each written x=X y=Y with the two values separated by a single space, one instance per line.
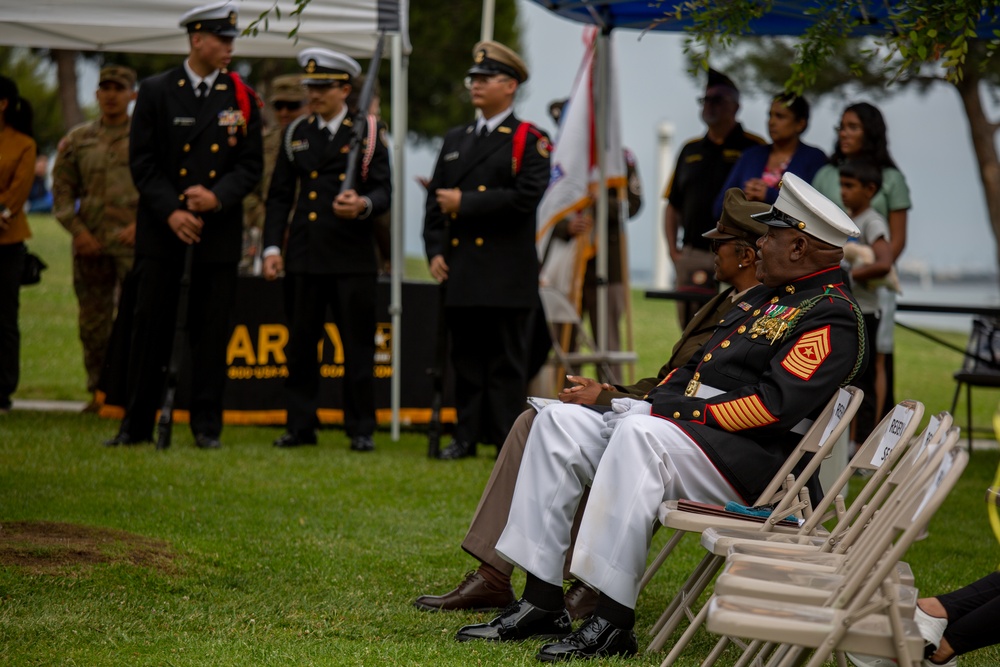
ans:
x=281 y=105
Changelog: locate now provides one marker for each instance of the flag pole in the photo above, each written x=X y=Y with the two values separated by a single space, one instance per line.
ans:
x=601 y=219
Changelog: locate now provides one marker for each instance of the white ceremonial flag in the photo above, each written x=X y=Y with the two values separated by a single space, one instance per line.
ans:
x=573 y=182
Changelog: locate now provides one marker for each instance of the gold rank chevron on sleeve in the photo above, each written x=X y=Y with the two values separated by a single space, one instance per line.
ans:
x=742 y=413
x=808 y=354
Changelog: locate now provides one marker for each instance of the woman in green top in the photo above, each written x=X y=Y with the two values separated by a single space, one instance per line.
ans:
x=861 y=135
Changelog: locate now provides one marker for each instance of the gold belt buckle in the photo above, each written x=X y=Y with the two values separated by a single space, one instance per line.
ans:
x=692 y=388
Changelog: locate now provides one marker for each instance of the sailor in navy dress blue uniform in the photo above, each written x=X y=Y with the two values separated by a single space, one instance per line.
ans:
x=329 y=260
x=195 y=153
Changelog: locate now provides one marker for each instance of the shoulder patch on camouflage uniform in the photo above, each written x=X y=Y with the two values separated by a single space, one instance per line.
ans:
x=742 y=413
x=812 y=348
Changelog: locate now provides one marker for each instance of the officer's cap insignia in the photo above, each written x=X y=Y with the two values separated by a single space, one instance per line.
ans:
x=197 y=26
x=311 y=66
x=808 y=353
x=232 y=18
x=480 y=55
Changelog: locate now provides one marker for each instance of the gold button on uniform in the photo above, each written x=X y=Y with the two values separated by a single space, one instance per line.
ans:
x=741 y=329
x=696 y=414
x=312 y=216
x=181 y=197
x=342 y=176
x=211 y=174
x=756 y=312
x=724 y=344
x=753 y=335
x=183 y=171
x=454 y=216
x=790 y=289
x=187 y=148
x=677 y=415
x=214 y=148
x=774 y=299
x=312 y=195
x=482 y=188
x=707 y=357
x=313 y=174
x=454 y=243
x=479 y=242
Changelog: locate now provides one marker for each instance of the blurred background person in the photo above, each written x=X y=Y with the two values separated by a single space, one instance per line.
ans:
x=760 y=168
x=40 y=197
x=862 y=136
x=701 y=170
x=17 y=173
x=288 y=102
x=95 y=200
x=383 y=221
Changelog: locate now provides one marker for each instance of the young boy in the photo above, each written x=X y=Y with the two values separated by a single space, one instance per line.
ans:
x=859 y=182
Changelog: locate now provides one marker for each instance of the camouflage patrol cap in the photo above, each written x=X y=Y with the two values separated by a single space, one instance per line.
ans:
x=736 y=221
x=119 y=74
x=491 y=57
x=287 y=88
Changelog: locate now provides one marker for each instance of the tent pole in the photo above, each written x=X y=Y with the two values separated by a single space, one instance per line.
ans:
x=400 y=66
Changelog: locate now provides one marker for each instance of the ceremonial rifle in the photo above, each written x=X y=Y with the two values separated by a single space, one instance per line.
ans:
x=164 y=425
x=361 y=117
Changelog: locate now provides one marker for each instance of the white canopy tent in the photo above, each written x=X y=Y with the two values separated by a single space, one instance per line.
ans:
x=151 y=26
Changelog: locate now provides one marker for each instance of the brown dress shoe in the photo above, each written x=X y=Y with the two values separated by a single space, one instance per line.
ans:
x=580 y=600
x=475 y=593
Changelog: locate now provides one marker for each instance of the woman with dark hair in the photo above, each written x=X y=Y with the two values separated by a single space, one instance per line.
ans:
x=862 y=136
x=760 y=168
x=17 y=173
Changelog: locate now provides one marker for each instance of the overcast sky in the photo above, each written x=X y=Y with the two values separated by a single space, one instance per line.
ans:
x=928 y=138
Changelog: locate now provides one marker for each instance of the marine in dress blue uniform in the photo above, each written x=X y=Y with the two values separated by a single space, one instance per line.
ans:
x=479 y=237
x=715 y=430
x=329 y=261
x=195 y=153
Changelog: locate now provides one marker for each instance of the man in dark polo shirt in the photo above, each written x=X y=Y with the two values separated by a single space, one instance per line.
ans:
x=702 y=168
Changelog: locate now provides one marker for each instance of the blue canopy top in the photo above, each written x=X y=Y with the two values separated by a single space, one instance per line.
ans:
x=786 y=17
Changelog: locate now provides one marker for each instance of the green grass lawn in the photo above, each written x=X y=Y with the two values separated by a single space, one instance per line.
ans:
x=255 y=556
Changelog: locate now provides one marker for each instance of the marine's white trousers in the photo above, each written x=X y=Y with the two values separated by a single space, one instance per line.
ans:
x=647 y=460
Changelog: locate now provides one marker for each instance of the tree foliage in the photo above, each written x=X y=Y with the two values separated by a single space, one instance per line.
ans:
x=32 y=72
x=918 y=36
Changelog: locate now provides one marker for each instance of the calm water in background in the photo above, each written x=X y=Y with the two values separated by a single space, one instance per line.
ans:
x=979 y=293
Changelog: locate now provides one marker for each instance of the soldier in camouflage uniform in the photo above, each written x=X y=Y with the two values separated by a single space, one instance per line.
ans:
x=288 y=102
x=95 y=200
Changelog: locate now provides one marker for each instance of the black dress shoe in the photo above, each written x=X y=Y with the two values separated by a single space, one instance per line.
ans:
x=581 y=600
x=297 y=439
x=362 y=443
x=520 y=620
x=203 y=441
x=457 y=449
x=596 y=638
x=474 y=594
x=124 y=439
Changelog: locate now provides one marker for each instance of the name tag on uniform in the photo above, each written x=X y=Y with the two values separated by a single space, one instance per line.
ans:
x=183 y=121
x=450 y=156
x=299 y=145
x=231 y=118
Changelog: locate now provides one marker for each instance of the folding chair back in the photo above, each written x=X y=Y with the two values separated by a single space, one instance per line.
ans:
x=845 y=621
x=822 y=433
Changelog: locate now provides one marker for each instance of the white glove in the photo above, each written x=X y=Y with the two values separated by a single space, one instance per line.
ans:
x=621 y=408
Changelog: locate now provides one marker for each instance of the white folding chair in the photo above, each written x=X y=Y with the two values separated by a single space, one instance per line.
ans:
x=876 y=456
x=783 y=491
x=863 y=614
